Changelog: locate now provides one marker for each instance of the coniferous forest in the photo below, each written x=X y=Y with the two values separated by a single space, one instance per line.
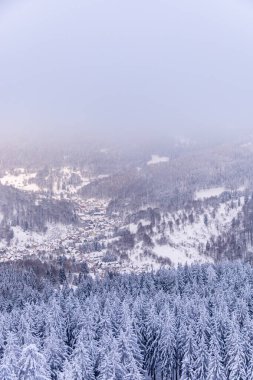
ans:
x=190 y=323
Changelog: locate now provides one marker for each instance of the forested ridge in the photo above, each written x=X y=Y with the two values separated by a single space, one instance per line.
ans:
x=187 y=323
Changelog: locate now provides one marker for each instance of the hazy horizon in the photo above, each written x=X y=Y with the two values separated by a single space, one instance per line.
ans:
x=125 y=70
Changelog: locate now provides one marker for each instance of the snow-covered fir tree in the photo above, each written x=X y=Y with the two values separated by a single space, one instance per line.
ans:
x=190 y=323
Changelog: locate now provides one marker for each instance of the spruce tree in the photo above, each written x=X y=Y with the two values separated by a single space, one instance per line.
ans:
x=33 y=365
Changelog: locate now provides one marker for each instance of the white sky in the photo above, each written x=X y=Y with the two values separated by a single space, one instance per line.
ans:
x=130 y=66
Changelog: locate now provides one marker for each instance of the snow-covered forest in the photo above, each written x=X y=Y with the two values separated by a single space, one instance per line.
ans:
x=190 y=323
x=126 y=190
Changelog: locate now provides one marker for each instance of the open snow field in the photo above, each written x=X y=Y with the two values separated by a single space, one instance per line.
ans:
x=156 y=159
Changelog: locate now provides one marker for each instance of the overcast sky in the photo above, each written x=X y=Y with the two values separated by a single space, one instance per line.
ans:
x=119 y=67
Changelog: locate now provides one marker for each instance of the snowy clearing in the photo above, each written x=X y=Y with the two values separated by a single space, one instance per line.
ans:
x=208 y=193
x=20 y=181
x=156 y=159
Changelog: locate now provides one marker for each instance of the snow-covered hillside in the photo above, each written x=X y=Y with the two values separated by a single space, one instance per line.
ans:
x=181 y=238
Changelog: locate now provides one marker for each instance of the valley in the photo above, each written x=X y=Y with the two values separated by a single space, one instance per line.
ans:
x=128 y=220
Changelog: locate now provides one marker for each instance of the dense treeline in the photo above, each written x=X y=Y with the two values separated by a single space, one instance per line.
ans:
x=18 y=208
x=172 y=185
x=237 y=242
x=190 y=323
x=131 y=182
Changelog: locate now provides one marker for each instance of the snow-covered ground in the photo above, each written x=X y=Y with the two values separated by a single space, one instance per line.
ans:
x=156 y=159
x=208 y=193
x=184 y=254
x=20 y=180
x=203 y=194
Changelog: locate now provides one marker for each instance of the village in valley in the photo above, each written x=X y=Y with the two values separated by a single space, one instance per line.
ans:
x=85 y=240
x=87 y=213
